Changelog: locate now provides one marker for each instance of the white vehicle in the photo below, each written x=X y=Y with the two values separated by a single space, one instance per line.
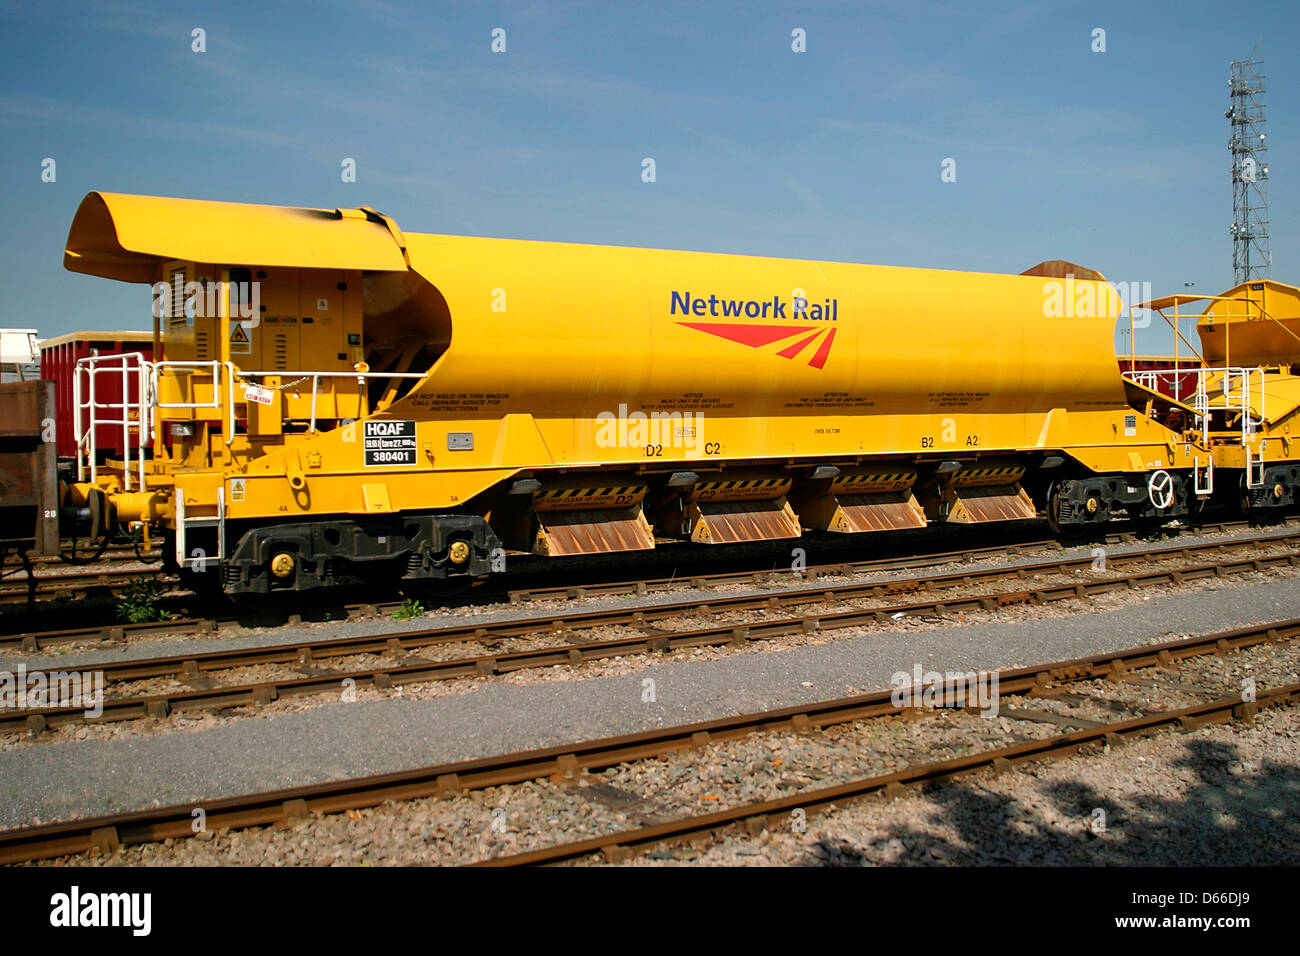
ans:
x=20 y=355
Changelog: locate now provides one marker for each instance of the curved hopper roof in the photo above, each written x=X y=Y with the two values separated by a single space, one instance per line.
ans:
x=126 y=237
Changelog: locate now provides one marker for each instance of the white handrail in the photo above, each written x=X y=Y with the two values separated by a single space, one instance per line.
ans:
x=317 y=376
x=1234 y=384
x=88 y=410
x=86 y=434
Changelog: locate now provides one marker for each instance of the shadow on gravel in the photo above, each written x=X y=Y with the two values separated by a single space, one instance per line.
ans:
x=1237 y=813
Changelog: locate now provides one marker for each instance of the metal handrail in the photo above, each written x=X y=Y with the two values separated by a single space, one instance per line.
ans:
x=1235 y=398
x=315 y=377
x=213 y=368
x=88 y=418
x=125 y=364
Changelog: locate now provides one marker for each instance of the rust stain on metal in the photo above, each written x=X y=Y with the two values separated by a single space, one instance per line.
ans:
x=999 y=503
x=728 y=522
x=601 y=531
x=889 y=511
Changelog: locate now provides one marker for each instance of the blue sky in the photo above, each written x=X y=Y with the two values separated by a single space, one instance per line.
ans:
x=1115 y=160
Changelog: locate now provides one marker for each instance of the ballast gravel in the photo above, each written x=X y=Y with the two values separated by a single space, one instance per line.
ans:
x=1125 y=806
x=340 y=740
x=1220 y=796
x=189 y=721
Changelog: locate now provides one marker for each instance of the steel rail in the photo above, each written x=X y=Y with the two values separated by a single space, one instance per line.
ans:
x=708 y=580
x=190 y=668
x=565 y=762
x=15 y=590
x=114 y=552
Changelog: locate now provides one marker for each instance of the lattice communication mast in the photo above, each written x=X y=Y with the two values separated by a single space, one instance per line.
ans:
x=1249 y=147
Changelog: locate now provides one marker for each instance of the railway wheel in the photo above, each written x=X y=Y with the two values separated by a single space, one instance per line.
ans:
x=1258 y=504
x=94 y=520
x=1052 y=506
x=1071 y=531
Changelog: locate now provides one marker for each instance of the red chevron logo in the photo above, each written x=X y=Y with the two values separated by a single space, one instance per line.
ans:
x=757 y=336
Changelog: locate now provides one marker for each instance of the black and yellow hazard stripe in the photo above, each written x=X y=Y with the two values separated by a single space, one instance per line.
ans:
x=741 y=489
x=873 y=481
x=975 y=477
x=551 y=494
x=582 y=497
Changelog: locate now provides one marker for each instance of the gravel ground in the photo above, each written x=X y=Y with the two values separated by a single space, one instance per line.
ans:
x=370 y=736
x=1219 y=795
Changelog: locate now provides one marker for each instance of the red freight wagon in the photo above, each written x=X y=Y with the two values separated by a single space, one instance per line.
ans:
x=59 y=358
x=1179 y=385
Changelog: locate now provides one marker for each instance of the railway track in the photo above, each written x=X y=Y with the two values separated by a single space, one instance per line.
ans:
x=567 y=762
x=642 y=587
x=114 y=552
x=31 y=641
x=308 y=657
x=767 y=814
x=70 y=585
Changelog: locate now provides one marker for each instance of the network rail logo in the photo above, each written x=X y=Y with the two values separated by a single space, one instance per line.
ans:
x=814 y=341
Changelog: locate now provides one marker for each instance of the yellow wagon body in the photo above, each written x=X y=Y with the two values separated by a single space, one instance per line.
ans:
x=323 y=366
